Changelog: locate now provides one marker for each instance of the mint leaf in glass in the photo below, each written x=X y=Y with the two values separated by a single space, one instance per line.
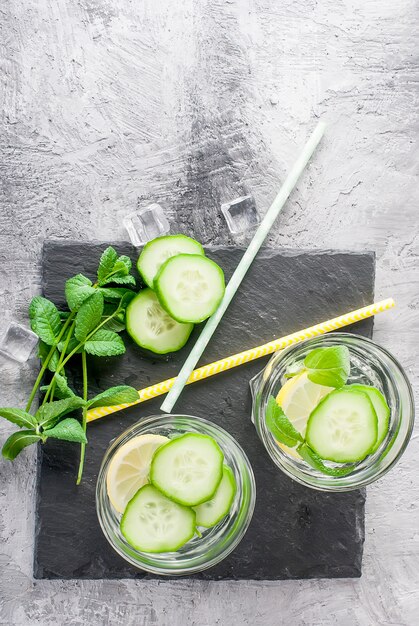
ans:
x=314 y=460
x=279 y=425
x=328 y=366
x=294 y=369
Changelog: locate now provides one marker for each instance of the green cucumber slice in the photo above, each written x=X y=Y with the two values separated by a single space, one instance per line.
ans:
x=190 y=287
x=157 y=251
x=188 y=469
x=212 y=511
x=381 y=408
x=343 y=426
x=151 y=327
x=154 y=523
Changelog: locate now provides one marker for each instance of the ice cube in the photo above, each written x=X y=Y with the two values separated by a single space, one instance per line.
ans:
x=146 y=224
x=241 y=214
x=18 y=343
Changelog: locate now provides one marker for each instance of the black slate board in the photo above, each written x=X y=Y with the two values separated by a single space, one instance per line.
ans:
x=295 y=532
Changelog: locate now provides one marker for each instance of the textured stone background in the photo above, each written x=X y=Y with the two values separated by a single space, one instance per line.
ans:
x=109 y=104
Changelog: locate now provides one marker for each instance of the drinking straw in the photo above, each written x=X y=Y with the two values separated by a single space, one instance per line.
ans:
x=250 y=355
x=244 y=264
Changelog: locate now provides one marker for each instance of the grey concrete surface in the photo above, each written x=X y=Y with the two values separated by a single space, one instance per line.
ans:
x=106 y=105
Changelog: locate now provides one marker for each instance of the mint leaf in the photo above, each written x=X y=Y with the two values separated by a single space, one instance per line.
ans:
x=43 y=351
x=119 y=268
x=106 y=264
x=68 y=429
x=315 y=461
x=114 y=323
x=121 y=279
x=117 y=322
x=45 y=319
x=49 y=414
x=294 y=369
x=72 y=344
x=104 y=343
x=89 y=315
x=21 y=418
x=19 y=440
x=113 y=294
x=114 y=395
x=126 y=261
x=114 y=269
x=279 y=425
x=126 y=299
x=328 y=366
x=62 y=390
x=77 y=290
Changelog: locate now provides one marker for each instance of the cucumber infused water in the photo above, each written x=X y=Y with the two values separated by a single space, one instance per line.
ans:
x=167 y=489
x=324 y=414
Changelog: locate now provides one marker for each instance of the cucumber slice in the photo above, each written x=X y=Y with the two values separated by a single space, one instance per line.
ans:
x=381 y=408
x=151 y=327
x=343 y=427
x=154 y=523
x=190 y=287
x=188 y=469
x=212 y=511
x=157 y=251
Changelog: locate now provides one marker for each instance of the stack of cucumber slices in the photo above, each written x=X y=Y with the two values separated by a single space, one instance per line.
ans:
x=321 y=418
x=184 y=287
x=167 y=489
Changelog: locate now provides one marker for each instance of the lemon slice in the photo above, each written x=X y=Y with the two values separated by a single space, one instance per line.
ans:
x=129 y=468
x=297 y=398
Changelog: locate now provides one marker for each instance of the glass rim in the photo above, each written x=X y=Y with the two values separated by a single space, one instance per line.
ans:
x=375 y=466
x=236 y=525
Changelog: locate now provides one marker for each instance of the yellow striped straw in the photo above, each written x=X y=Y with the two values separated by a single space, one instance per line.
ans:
x=250 y=355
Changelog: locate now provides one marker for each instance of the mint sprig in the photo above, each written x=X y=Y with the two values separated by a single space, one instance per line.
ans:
x=91 y=325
